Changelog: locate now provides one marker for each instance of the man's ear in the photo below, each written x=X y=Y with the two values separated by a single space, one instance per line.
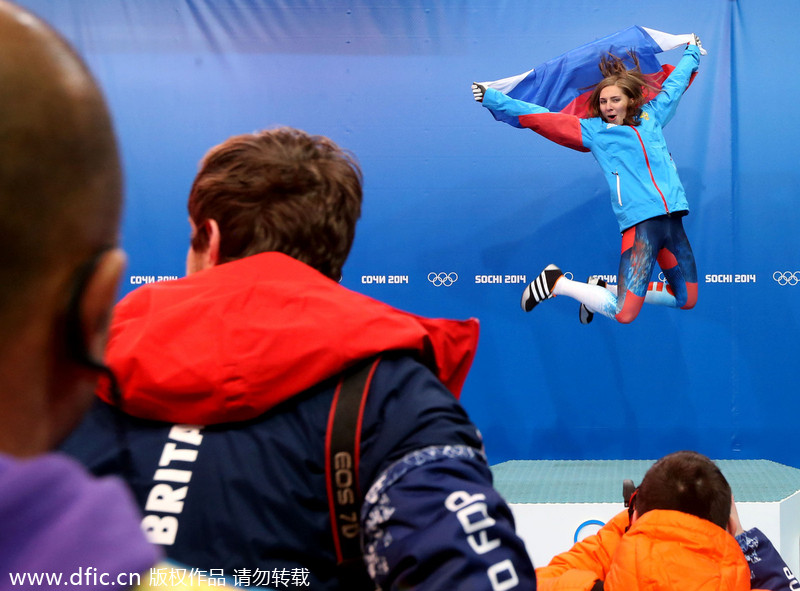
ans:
x=199 y=260
x=98 y=299
x=212 y=253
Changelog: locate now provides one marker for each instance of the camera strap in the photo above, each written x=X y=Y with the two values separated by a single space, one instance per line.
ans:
x=342 y=451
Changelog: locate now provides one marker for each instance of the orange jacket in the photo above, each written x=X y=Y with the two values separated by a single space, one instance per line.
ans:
x=663 y=550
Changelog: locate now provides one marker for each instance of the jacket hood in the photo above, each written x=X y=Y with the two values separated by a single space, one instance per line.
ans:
x=667 y=550
x=228 y=343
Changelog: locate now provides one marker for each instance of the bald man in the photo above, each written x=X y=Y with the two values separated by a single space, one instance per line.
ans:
x=60 y=198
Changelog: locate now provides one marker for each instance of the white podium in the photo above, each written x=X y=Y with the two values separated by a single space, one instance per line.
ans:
x=558 y=502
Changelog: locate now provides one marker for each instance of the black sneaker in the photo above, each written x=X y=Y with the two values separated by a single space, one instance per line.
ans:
x=584 y=313
x=540 y=288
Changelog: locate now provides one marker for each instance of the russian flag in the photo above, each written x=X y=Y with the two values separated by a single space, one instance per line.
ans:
x=563 y=84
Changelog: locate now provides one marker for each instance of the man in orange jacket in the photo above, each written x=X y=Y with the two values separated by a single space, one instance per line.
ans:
x=681 y=531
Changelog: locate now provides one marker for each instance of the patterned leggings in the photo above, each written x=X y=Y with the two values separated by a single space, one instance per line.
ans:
x=661 y=239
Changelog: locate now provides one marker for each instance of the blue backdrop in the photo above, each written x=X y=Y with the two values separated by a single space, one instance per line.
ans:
x=451 y=194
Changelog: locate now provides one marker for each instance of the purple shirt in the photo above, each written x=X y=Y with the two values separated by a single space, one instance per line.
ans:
x=56 y=518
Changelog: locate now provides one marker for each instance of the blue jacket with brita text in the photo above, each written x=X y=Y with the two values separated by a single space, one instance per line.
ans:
x=245 y=358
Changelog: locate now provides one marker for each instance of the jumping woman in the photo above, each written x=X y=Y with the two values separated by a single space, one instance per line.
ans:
x=625 y=134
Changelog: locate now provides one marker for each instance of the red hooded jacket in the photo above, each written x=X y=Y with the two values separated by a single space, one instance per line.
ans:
x=300 y=328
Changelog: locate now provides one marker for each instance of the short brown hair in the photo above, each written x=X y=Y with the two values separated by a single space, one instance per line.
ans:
x=689 y=482
x=279 y=190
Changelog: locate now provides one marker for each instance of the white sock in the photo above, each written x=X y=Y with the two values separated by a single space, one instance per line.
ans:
x=595 y=297
x=657 y=294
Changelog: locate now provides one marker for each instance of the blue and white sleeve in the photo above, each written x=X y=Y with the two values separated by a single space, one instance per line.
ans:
x=433 y=522
x=767 y=569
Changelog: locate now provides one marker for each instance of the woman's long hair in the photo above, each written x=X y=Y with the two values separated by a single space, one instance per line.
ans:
x=630 y=80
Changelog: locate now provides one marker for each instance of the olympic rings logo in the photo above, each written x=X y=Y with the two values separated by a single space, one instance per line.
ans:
x=442 y=279
x=786 y=277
